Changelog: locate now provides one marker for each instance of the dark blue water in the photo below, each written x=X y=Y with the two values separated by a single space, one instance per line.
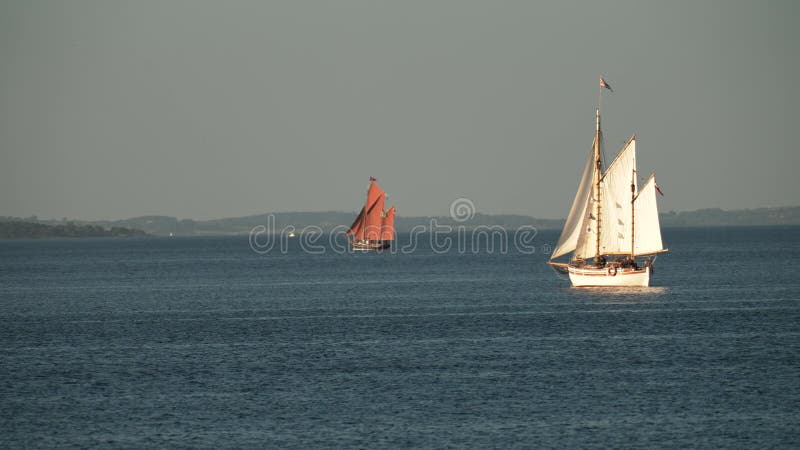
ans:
x=202 y=342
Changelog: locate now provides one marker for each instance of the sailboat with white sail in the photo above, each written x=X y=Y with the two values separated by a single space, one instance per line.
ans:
x=612 y=230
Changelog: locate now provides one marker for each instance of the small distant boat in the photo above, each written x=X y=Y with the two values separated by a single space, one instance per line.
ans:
x=291 y=234
x=373 y=228
x=612 y=221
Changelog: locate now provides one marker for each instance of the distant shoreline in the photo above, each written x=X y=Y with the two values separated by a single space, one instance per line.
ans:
x=299 y=232
x=328 y=221
x=24 y=229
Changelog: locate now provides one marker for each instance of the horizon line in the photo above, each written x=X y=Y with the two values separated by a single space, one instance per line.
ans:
x=36 y=216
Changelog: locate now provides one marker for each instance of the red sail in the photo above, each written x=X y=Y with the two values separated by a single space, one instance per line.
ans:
x=387 y=227
x=357 y=228
x=374 y=209
x=374 y=193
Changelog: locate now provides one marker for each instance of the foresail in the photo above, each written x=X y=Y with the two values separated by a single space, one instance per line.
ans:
x=615 y=197
x=569 y=236
x=647 y=239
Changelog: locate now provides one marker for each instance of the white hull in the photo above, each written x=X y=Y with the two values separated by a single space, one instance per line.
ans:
x=588 y=276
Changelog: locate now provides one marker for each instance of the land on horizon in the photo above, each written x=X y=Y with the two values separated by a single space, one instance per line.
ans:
x=331 y=221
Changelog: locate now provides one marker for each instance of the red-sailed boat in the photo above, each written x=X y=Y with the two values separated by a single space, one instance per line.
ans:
x=373 y=229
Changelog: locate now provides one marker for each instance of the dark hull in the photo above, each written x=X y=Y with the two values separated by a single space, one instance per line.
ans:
x=370 y=245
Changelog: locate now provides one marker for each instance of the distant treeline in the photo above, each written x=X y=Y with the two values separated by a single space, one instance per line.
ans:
x=329 y=221
x=332 y=221
x=716 y=217
x=337 y=220
x=21 y=229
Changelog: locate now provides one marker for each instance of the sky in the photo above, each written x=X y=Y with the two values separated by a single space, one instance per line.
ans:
x=203 y=109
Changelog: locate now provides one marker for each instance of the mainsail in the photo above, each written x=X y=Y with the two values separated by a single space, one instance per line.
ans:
x=374 y=213
x=615 y=201
x=647 y=239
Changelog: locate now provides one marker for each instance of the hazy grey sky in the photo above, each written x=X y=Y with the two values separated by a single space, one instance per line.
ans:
x=206 y=109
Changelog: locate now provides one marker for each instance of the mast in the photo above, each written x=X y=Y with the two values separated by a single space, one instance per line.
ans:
x=364 y=235
x=599 y=171
x=598 y=158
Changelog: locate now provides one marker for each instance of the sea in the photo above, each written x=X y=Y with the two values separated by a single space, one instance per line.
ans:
x=232 y=342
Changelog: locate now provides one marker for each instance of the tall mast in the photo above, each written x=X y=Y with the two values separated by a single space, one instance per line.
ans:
x=598 y=160
x=599 y=173
x=365 y=235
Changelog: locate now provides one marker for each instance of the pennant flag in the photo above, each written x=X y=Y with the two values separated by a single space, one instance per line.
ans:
x=604 y=84
x=373 y=179
x=659 y=190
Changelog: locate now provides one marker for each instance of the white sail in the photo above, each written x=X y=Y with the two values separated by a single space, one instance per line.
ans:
x=587 y=235
x=647 y=237
x=615 y=197
x=569 y=235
